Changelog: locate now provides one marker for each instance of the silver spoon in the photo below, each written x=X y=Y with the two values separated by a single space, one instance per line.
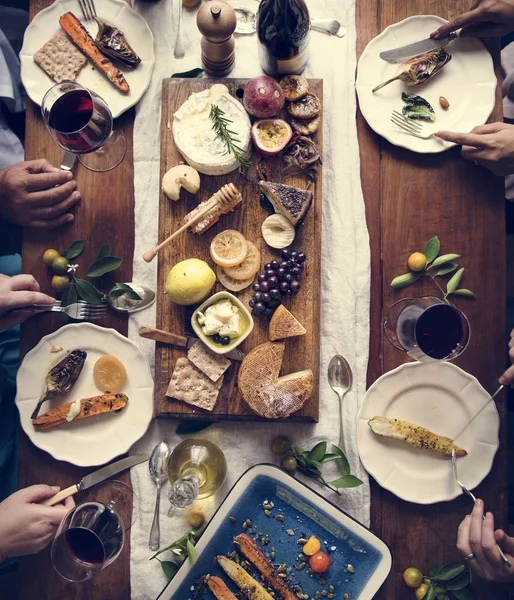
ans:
x=340 y=379
x=130 y=305
x=158 y=465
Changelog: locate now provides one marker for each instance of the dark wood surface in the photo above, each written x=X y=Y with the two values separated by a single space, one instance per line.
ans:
x=409 y=198
x=247 y=218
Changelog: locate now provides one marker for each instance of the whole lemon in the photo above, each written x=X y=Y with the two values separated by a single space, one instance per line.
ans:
x=190 y=281
x=417 y=261
x=413 y=577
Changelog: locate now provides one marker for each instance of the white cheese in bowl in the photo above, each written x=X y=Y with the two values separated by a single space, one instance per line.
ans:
x=221 y=317
x=195 y=138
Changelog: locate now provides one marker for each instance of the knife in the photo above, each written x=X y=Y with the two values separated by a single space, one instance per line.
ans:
x=485 y=405
x=403 y=52
x=158 y=335
x=96 y=477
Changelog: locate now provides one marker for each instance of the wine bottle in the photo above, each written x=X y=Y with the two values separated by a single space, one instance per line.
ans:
x=283 y=36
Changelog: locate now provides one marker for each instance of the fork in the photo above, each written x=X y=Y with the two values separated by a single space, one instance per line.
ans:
x=473 y=497
x=410 y=126
x=80 y=311
x=88 y=9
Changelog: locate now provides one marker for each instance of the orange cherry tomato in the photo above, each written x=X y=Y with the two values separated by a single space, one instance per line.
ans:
x=319 y=562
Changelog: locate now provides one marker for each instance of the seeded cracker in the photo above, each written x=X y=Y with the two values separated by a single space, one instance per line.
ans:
x=212 y=364
x=190 y=385
x=60 y=59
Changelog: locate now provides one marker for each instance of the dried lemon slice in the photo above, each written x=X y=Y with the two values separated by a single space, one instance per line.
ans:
x=109 y=374
x=249 y=267
x=229 y=248
x=233 y=285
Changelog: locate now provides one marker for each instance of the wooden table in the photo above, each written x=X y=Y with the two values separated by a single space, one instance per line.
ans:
x=408 y=198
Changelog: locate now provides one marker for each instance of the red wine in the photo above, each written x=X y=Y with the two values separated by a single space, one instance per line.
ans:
x=283 y=35
x=81 y=121
x=439 y=331
x=85 y=545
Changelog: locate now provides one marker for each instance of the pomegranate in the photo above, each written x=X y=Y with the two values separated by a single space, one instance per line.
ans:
x=263 y=97
x=271 y=136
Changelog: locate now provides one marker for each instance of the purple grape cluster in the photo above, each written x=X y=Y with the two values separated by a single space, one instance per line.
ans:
x=278 y=280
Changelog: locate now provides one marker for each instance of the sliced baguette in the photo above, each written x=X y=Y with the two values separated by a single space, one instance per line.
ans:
x=244 y=581
x=89 y=407
x=254 y=554
x=415 y=436
x=219 y=588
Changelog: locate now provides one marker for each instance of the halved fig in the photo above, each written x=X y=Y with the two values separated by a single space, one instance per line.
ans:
x=306 y=126
x=307 y=107
x=294 y=87
x=271 y=136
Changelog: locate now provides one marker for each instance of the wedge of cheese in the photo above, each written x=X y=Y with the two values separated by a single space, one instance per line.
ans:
x=196 y=139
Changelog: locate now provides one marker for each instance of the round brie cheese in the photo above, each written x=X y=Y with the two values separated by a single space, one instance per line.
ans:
x=195 y=137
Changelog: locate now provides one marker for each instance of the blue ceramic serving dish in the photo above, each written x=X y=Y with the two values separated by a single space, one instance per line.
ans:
x=305 y=513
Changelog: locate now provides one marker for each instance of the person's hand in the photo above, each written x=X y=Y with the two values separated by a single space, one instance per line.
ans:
x=490 y=146
x=16 y=292
x=36 y=194
x=508 y=377
x=477 y=542
x=487 y=18
x=27 y=527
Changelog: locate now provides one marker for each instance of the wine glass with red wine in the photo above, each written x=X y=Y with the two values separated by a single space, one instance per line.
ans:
x=427 y=329
x=80 y=122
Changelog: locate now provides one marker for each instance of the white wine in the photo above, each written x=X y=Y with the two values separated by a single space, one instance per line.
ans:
x=283 y=28
x=201 y=459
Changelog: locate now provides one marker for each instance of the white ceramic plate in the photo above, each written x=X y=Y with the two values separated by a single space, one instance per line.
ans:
x=115 y=12
x=442 y=398
x=96 y=440
x=468 y=82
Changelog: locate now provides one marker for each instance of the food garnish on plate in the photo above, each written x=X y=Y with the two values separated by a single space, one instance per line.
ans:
x=191 y=385
x=416 y=107
x=81 y=409
x=86 y=44
x=60 y=59
x=112 y=42
x=290 y=201
x=219 y=588
x=109 y=374
x=284 y=325
x=419 y=69
x=415 y=435
x=244 y=581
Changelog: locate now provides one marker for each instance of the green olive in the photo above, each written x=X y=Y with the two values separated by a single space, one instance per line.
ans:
x=280 y=445
x=289 y=464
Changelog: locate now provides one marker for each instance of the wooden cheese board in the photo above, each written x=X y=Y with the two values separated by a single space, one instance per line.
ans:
x=302 y=352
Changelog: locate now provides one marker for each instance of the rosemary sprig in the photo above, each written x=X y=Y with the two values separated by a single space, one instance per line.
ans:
x=220 y=124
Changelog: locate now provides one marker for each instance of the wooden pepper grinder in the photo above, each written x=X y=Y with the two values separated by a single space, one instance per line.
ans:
x=217 y=21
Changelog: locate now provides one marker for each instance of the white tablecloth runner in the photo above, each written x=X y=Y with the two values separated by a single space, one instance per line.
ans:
x=345 y=267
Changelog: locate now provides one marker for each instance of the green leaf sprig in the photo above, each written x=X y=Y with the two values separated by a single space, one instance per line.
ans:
x=189 y=74
x=220 y=125
x=448 y=582
x=309 y=462
x=437 y=266
x=181 y=550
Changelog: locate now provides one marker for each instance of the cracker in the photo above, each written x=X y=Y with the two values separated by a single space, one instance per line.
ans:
x=191 y=385
x=60 y=59
x=212 y=364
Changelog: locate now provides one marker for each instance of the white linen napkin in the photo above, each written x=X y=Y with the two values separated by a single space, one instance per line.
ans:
x=345 y=270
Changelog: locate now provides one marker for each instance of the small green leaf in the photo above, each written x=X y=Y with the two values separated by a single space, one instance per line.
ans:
x=75 y=249
x=88 y=292
x=454 y=281
x=329 y=457
x=346 y=481
x=435 y=570
x=342 y=463
x=464 y=293
x=443 y=259
x=404 y=280
x=116 y=293
x=191 y=552
x=69 y=296
x=447 y=269
x=430 y=595
x=170 y=568
x=187 y=427
x=464 y=594
x=431 y=249
x=189 y=74
x=104 y=265
x=105 y=250
x=441 y=595
x=459 y=582
x=318 y=452
x=450 y=571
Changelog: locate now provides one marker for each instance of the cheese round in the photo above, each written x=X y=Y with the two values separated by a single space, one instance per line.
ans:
x=196 y=139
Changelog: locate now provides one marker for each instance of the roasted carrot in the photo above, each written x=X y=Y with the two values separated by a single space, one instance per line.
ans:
x=219 y=588
x=89 y=407
x=86 y=44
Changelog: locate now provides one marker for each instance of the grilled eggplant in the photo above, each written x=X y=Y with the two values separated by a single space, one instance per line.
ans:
x=61 y=378
x=111 y=41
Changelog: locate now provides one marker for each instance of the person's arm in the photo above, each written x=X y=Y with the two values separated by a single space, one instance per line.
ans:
x=487 y=18
x=18 y=292
x=27 y=527
x=36 y=194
